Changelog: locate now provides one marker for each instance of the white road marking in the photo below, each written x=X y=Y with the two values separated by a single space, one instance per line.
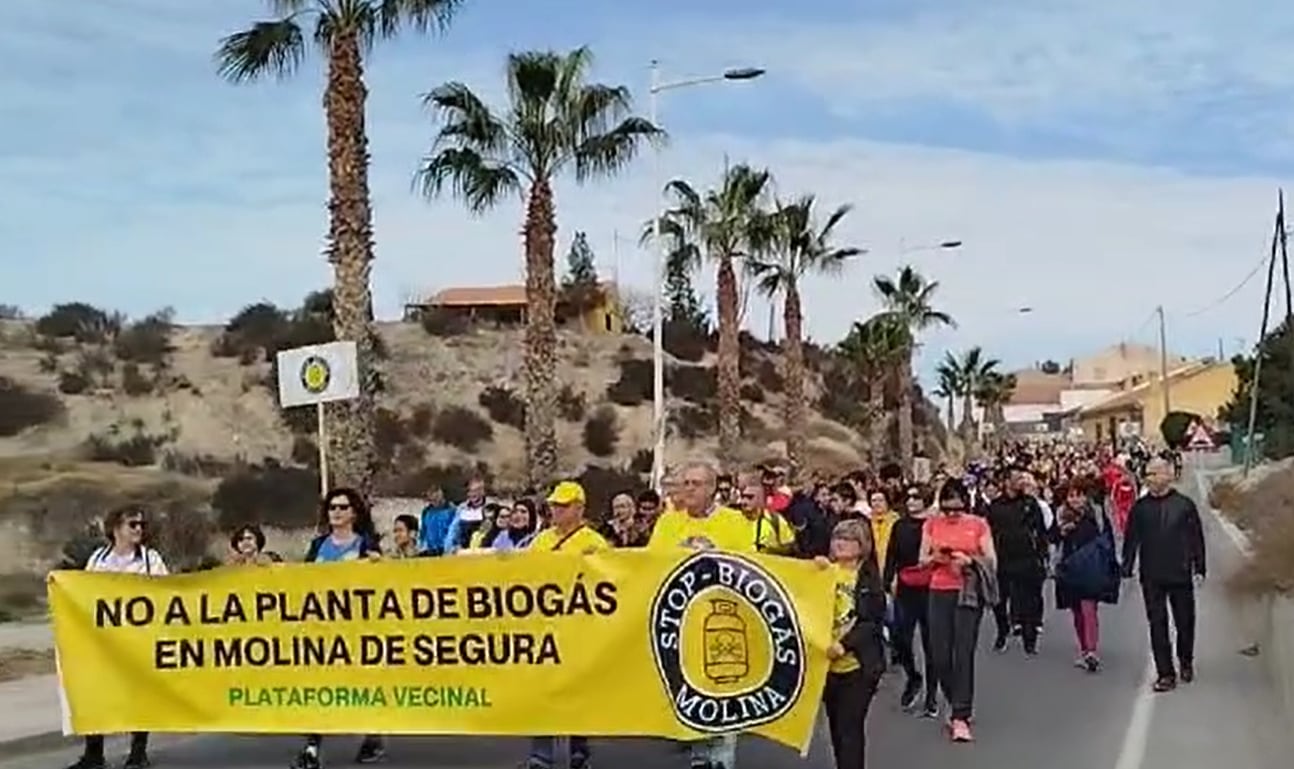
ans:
x=1135 y=741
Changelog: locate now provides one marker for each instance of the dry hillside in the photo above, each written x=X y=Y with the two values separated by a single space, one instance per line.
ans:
x=174 y=415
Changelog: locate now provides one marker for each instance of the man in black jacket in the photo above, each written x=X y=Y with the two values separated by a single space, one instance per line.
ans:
x=1165 y=532
x=1020 y=538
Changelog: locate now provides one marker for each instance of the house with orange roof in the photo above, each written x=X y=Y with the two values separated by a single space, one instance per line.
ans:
x=506 y=305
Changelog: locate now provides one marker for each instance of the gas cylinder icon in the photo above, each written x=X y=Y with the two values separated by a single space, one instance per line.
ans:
x=726 y=659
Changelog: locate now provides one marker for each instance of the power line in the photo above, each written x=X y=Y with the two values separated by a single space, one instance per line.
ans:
x=1262 y=262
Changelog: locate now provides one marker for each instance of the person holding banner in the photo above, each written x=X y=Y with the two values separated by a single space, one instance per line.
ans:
x=697 y=523
x=858 y=654
x=347 y=534
x=569 y=532
x=126 y=552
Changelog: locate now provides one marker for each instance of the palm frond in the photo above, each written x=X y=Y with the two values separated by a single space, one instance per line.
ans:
x=421 y=15
x=605 y=153
x=267 y=48
x=466 y=119
x=477 y=181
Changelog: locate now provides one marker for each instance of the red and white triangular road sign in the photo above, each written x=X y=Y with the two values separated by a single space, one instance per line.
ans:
x=1200 y=438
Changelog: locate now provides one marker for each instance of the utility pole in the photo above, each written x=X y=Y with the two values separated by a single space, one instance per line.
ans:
x=1277 y=237
x=1163 y=360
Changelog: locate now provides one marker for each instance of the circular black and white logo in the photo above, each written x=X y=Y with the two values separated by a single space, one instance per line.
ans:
x=727 y=644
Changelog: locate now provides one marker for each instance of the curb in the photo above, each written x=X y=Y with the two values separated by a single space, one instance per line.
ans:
x=42 y=742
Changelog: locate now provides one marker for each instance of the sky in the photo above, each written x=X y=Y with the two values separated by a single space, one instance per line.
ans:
x=1096 y=158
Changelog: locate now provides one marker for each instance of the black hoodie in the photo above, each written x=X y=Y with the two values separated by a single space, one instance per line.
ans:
x=1019 y=536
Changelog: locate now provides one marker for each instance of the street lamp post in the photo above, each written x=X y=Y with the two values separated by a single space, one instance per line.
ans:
x=658 y=306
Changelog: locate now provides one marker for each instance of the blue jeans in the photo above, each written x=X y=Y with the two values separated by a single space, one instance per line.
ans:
x=542 y=749
x=718 y=751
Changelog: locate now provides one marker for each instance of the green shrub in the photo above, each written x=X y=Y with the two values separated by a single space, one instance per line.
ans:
x=420 y=420
x=693 y=383
x=268 y=494
x=133 y=381
x=147 y=340
x=503 y=406
x=1175 y=427
x=200 y=465
x=685 y=340
x=305 y=452
x=138 y=450
x=602 y=432
x=601 y=484
x=634 y=385
x=452 y=478
x=80 y=321
x=571 y=405
x=21 y=408
x=442 y=323
x=692 y=421
x=768 y=376
x=73 y=383
x=461 y=428
x=752 y=392
x=389 y=434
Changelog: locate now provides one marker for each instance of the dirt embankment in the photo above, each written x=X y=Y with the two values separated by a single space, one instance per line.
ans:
x=1263 y=506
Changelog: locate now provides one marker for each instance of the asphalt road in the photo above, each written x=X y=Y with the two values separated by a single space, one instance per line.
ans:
x=1030 y=713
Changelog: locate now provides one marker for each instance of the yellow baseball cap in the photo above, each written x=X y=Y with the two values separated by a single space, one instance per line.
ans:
x=567 y=493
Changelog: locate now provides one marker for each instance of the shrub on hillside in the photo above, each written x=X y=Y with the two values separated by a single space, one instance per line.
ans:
x=80 y=321
x=200 y=465
x=147 y=340
x=461 y=428
x=642 y=461
x=389 y=434
x=96 y=365
x=752 y=392
x=693 y=383
x=438 y=322
x=692 y=421
x=10 y=312
x=256 y=327
x=503 y=406
x=601 y=484
x=133 y=381
x=305 y=452
x=21 y=408
x=138 y=450
x=48 y=363
x=452 y=478
x=420 y=420
x=268 y=494
x=183 y=535
x=768 y=377
x=634 y=385
x=602 y=432
x=571 y=404
x=73 y=383
x=685 y=340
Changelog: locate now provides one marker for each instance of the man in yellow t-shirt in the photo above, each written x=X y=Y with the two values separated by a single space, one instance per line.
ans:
x=697 y=523
x=568 y=532
x=772 y=533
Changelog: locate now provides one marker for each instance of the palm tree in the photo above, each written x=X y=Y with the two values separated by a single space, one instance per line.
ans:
x=878 y=347
x=556 y=121
x=723 y=225
x=910 y=297
x=343 y=31
x=992 y=393
x=951 y=386
x=973 y=367
x=796 y=247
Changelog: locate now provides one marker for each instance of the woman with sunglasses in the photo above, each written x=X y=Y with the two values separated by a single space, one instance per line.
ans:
x=909 y=582
x=957 y=547
x=126 y=552
x=346 y=533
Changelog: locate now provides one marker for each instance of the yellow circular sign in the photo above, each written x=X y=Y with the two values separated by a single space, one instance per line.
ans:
x=727 y=643
x=315 y=374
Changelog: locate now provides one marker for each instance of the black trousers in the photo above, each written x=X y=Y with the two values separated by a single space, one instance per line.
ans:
x=913 y=604
x=1159 y=599
x=847 y=699
x=954 y=634
x=94 y=744
x=1019 y=604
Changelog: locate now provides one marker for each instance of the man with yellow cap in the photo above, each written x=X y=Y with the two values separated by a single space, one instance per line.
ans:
x=568 y=532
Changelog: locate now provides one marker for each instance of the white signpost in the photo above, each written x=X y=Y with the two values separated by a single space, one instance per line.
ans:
x=313 y=376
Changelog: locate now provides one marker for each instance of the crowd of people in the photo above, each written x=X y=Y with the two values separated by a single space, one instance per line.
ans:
x=917 y=564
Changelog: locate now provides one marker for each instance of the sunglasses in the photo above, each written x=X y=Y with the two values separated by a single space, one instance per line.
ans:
x=339 y=506
x=136 y=524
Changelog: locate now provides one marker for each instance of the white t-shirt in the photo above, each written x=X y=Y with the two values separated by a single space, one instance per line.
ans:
x=144 y=561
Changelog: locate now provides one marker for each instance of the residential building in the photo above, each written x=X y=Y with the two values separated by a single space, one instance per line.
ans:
x=1199 y=387
x=1117 y=364
x=507 y=306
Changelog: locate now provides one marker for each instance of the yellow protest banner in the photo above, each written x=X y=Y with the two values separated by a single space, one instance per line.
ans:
x=616 y=644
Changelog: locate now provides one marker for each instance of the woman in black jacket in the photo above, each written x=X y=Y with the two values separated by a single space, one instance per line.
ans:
x=858 y=655
x=1078 y=526
x=909 y=583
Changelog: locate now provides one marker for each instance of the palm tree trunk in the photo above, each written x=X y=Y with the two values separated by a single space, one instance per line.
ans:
x=793 y=358
x=877 y=419
x=729 y=374
x=967 y=427
x=541 y=336
x=951 y=427
x=350 y=250
x=906 y=434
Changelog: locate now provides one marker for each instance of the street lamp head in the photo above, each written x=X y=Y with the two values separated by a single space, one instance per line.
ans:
x=1024 y=310
x=951 y=244
x=743 y=73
